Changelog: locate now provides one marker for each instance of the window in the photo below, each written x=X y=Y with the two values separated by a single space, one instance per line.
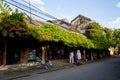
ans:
x=65 y=25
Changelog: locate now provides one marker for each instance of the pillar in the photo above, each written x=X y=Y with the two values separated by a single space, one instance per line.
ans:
x=43 y=53
x=5 y=54
x=24 y=55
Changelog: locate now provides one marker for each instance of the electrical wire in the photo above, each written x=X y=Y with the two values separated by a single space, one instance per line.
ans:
x=41 y=10
x=33 y=11
x=25 y=10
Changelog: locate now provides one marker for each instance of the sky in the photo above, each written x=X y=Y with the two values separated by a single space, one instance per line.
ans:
x=106 y=12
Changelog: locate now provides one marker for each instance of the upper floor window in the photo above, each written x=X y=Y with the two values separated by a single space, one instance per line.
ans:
x=65 y=25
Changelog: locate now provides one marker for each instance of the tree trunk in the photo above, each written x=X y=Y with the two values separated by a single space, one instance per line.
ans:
x=24 y=55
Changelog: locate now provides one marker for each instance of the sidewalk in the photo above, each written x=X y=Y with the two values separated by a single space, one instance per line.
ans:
x=18 y=71
x=11 y=72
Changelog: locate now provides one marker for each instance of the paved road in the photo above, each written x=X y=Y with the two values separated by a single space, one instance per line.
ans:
x=108 y=69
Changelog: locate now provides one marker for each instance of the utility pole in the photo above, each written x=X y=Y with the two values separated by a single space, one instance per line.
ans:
x=30 y=10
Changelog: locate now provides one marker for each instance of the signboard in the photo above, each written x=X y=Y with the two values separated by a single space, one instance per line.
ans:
x=31 y=55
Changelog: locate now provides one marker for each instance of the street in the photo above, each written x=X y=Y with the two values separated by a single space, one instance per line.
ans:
x=108 y=69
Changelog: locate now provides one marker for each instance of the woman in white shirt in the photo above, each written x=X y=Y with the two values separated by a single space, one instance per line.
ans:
x=71 y=56
x=78 y=57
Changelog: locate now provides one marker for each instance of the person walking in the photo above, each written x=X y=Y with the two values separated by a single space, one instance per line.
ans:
x=71 y=57
x=78 y=57
x=48 y=58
